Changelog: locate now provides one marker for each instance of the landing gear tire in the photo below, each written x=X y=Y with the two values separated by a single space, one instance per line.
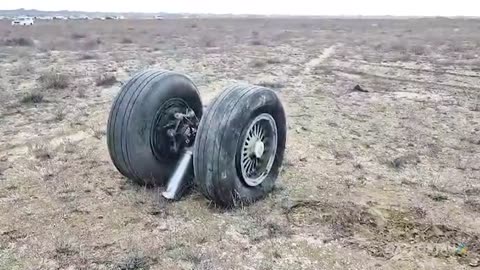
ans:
x=240 y=145
x=153 y=118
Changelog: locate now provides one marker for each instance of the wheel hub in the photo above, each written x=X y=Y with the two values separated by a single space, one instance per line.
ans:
x=258 y=149
x=175 y=128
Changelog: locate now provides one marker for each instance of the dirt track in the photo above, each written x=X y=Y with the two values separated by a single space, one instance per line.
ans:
x=385 y=178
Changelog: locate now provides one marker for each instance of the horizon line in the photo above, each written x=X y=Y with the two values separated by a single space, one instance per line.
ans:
x=250 y=14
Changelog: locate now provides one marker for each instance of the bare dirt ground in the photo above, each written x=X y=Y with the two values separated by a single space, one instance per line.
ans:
x=381 y=176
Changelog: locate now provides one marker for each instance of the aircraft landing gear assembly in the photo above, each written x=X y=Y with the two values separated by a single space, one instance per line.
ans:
x=159 y=135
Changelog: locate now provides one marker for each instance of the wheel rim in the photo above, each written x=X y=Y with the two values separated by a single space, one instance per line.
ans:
x=258 y=149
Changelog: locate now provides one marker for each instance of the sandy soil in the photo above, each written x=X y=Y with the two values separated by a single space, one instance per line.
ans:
x=381 y=176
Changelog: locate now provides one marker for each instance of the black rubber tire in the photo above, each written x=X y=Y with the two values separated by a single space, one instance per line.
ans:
x=218 y=139
x=131 y=122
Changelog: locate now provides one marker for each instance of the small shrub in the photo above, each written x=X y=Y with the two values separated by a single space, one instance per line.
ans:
x=33 y=97
x=82 y=93
x=272 y=61
x=98 y=133
x=272 y=85
x=21 y=41
x=402 y=161
x=59 y=115
x=207 y=41
x=133 y=262
x=40 y=151
x=256 y=42
x=210 y=43
x=193 y=25
x=476 y=107
x=418 y=50
x=473 y=205
x=54 y=80
x=397 y=47
x=24 y=68
x=69 y=147
x=438 y=197
x=127 y=41
x=64 y=248
x=92 y=44
x=258 y=64
x=88 y=56
x=78 y=36
x=106 y=80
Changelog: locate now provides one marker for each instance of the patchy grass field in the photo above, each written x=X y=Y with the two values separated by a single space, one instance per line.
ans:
x=382 y=165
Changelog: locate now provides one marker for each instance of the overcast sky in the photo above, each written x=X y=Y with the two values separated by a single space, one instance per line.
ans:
x=292 y=7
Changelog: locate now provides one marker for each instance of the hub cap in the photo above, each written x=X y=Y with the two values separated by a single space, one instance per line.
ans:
x=258 y=149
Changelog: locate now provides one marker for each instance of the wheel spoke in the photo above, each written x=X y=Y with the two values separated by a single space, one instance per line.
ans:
x=261 y=135
x=252 y=169
x=249 y=165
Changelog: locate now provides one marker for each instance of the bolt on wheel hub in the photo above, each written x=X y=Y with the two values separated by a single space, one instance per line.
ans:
x=258 y=149
x=175 y=128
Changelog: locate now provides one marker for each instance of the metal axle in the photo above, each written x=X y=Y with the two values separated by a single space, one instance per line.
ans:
x=178 y=182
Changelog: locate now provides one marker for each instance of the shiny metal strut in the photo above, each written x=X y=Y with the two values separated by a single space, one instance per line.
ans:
x=178 y=182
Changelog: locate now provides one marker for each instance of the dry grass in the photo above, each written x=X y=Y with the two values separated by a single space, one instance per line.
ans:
x=127 y=41
x=69 y=147
x=133 y=261
x=91 y=44
x=473 y=205
x=40 y=151
x=209 y=42
x=258 y=63
x=106 y=80
x=367 y=177
x=88 y=56
x=78 y=36
x=60 y=115
x=272 y=85
x=54 y=79
x=24 y=69
x=33 y=97
x=20 y=41
x=274 y=61
x=99 y=132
